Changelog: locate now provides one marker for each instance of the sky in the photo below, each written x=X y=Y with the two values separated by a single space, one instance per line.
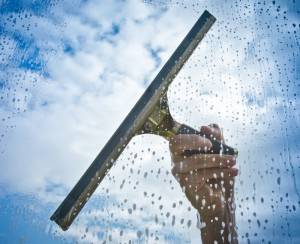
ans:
x=70 y=71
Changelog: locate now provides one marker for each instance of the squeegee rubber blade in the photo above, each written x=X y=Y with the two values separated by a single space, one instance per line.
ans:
x=76 y=199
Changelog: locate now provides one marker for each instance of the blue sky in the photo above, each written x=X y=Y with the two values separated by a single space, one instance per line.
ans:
x=72 y=70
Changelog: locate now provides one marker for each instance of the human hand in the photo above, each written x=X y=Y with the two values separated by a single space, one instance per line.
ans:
x=206 y=179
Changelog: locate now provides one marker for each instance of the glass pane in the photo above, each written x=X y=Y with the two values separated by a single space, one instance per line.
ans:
x=72 y=70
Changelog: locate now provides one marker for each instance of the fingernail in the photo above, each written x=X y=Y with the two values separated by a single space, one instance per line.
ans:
x=233 y=161
x=235 y=171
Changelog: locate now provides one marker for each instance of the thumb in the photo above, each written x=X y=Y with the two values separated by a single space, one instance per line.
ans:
x=212 y=131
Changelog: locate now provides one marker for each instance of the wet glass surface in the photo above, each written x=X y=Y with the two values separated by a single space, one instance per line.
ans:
x=72 y=70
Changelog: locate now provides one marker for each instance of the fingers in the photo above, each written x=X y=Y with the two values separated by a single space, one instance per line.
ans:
x=203 y=176
x=203 y=161
x=180 y=143
x=212 y=131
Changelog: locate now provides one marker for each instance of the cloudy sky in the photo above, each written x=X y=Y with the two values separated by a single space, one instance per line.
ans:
x=70 y=71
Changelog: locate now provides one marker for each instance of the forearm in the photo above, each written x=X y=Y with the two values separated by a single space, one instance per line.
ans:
x=220 y=227
x=211 y=232
x=219 y=231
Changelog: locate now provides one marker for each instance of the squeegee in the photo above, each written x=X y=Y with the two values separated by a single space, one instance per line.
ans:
x=149 y=115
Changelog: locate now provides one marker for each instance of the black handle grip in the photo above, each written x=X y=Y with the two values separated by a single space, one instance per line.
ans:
x=217 y=147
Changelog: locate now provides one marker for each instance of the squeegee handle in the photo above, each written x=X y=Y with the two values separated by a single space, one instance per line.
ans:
x=217 y=146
